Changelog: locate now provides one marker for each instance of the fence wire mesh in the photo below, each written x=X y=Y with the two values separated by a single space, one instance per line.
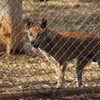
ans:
x=32 y=71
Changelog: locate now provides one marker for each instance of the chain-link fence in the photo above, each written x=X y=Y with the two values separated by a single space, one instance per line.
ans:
x=30 y=76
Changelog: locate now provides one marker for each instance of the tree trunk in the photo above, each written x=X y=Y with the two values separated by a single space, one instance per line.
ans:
x=11 y=26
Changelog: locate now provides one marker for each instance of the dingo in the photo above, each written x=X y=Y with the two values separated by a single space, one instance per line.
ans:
x=64 y=46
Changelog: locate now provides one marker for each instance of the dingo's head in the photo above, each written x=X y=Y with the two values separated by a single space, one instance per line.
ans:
x=36 y=33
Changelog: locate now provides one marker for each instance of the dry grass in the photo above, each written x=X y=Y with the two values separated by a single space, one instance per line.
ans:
x=68 y=15
x=35 y=72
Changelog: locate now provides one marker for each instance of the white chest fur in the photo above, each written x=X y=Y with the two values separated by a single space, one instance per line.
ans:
x=49 y=57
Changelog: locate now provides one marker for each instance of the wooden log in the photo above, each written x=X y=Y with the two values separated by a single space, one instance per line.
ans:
x=50 y=93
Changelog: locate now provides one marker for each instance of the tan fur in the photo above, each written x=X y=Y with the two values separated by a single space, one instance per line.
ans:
x=59 y=47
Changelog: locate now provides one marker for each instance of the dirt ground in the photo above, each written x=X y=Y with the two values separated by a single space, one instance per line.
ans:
x=28 y=73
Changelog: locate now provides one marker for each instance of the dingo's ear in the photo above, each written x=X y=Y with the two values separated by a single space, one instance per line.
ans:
x=28 y=22
x=43 y=23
